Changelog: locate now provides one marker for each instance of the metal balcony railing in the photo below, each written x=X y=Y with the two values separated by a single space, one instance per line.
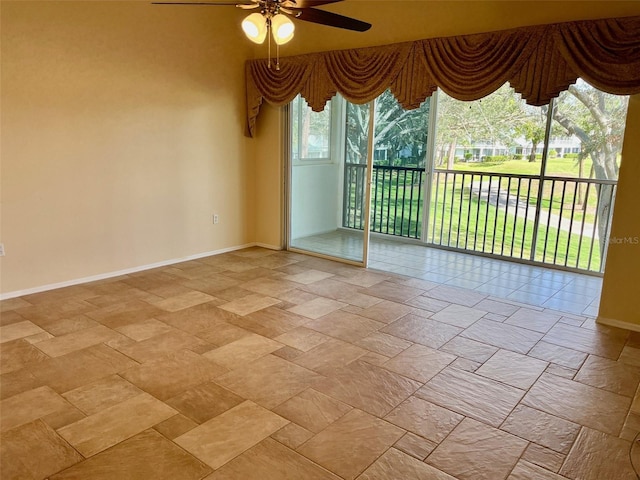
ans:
x=556 y=221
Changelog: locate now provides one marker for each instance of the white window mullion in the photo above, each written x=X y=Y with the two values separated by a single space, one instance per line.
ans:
x=429 y=165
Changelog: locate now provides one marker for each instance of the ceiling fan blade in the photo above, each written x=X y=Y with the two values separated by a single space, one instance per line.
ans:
x=331 y=19
x=308 y=3
x=206 y=4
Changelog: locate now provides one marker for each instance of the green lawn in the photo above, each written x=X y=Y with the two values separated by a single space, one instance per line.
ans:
x=561 y=167
x=558 y=167
x=464 y=222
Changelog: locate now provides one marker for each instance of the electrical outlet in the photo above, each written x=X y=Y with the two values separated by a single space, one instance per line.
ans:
x=215 y=219
x=1 y=249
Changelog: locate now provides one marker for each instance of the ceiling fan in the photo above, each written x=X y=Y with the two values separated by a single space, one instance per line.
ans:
x=274 y=16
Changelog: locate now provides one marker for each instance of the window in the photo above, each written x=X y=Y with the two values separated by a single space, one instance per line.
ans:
x=312 y=132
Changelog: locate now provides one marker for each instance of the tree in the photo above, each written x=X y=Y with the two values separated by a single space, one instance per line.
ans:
x=492 y=119
x=598 y=120
x=308 y=125
x=396 y=129
x=399 y=130
x=533 y=132
x=357 y=132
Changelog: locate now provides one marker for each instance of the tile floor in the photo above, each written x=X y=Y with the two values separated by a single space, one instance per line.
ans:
x=535 y=285
x=262 y=365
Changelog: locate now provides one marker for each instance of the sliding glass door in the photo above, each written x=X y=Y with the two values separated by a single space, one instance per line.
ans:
x=495 y=177
x=322 y=191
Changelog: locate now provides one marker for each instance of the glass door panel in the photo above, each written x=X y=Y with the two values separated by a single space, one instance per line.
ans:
x=399 y=162
x=580 y=177
x=323 y=193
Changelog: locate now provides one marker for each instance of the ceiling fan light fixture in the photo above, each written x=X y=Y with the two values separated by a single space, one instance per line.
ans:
x=255 y=27
x=282 y=29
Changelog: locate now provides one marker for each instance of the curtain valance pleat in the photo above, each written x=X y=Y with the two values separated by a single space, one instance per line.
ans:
x=459 y=65
x=539 y=62
x=606 y=54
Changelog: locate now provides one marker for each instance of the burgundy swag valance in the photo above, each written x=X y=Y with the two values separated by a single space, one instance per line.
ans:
x=539 y=62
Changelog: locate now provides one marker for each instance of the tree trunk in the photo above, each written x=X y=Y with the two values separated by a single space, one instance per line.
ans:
x=439 y=155
x=532 y=157
x=452 y=153
x=605 y=166
x=586 y=199
x=605 y=202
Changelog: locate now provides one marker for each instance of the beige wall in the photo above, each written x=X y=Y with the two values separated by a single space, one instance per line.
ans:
x=122 y=133
x=621 y=289
x=269 y=189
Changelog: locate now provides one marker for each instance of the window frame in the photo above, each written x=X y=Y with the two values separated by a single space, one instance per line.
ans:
x=334 y=133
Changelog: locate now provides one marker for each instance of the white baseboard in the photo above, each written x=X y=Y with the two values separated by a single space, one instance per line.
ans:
x=635 y=327
x=267 y=246
x=104 y=276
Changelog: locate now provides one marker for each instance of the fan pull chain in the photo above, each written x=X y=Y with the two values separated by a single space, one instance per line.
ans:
x=269 y=40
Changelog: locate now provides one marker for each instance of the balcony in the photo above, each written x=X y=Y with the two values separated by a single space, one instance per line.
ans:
x=547 y=220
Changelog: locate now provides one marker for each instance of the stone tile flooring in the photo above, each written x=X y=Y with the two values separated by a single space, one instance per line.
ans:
x=535 y=285
x=259 y=364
